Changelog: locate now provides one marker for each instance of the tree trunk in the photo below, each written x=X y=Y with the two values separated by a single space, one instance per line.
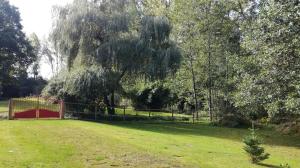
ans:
x=209 y=68
x=210 y=86
x=106 y=102
x=112 y=103
x=194 y=87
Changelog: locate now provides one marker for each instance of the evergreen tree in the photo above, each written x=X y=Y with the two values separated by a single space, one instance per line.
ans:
x=253 y=147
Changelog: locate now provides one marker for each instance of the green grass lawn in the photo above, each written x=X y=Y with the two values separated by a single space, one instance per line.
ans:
x=54 y=143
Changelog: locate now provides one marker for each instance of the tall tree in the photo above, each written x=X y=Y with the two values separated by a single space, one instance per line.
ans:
x=103 y=35
x=271 y=79
x=210 y=38
x=16 y=53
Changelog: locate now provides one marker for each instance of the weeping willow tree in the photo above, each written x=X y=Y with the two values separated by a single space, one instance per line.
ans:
x=102 y=41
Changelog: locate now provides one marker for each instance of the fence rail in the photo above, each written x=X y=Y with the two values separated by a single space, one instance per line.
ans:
x=99 y=112
x=35 y=107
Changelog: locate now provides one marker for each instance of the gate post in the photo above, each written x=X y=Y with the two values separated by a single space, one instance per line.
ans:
x=62 y=110
x=10 y=109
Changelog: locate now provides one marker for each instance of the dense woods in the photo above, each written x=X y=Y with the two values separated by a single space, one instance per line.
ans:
x=232 y=60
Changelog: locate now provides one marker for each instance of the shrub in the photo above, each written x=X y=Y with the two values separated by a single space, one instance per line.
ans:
x=153 y=97
x=253 y=148
x=234 y=120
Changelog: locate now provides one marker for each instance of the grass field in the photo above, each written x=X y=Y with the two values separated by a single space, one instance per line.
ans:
x=79 y=144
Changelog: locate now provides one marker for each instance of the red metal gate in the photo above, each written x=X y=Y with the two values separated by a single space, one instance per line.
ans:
x=30 y=108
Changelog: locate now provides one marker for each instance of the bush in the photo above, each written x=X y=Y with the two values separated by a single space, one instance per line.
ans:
x=153 y=97
x=253 y=148
x=22 y=87
x=234 y=120
x=91 y=116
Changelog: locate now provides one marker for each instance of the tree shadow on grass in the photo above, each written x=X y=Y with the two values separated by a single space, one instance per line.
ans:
x=271 y=137
x=268 y=165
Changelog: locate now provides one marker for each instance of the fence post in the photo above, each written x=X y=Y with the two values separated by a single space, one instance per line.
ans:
x=62 y=110
x=10 y=109
x=172 y=112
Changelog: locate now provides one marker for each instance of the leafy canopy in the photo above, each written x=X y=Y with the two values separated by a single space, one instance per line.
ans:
x=111 y=39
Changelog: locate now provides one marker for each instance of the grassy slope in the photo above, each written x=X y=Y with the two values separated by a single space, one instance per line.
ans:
x=86 y=144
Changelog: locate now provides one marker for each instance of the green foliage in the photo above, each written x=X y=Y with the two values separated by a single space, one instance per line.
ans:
x=83 y=84
x=253 y=148
x=235 y=120
x=16 y=52
x=55 y=87
x=155 y=7
x=241 y=55
x=269 y=68
x=225 y=57
x=210 y=40
x=87 y=82
x=154 y=97
x=160 y=54
x=102 y=44
x=23 y=86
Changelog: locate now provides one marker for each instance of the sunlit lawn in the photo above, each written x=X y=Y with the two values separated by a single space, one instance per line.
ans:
x=74 y=144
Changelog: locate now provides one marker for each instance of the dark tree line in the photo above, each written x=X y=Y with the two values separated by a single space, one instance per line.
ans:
x=17 y=54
